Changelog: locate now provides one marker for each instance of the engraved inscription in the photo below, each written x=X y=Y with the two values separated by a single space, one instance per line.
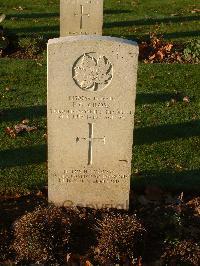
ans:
x=95 y=108
x=91 y=139
x=91 y=72
x=82 y=16
x=99 y=176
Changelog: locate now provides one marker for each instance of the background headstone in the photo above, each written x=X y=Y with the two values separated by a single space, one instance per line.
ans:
x=81 y=17
x=91 y=104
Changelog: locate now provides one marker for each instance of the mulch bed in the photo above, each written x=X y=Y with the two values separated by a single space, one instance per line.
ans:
x=171 y=222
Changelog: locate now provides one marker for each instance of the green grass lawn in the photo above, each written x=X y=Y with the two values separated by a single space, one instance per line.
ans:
x=175 y=19
x=166 y=138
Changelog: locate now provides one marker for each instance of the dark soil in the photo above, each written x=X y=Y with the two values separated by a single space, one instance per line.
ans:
x=171 y=223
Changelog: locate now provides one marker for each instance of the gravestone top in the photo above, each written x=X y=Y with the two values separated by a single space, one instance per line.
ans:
x=93 y=38
x=81 y=17
x=91 y=105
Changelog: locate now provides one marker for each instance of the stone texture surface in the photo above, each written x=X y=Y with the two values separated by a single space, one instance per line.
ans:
x=81 y=17
x=91 y=104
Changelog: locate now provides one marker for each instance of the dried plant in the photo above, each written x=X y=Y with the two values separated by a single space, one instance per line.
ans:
x=120 y=237
x=42 y=236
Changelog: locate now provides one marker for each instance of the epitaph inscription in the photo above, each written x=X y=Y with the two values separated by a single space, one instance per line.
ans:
x=91 y=120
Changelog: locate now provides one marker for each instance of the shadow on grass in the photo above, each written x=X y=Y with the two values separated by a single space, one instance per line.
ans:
x=47 y=31
x=18 y=114
x=188 y=181
x=149 y=98
x=149 y=135
x=23 y=156
x=149 y=21
x=119 y=11
x=172 y=35
x=53 y=32
x=33 y=15
x=181 y=34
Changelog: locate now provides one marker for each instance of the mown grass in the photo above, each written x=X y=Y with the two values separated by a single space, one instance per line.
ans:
x=167 y=143
x=176 y=20
x=166 y=148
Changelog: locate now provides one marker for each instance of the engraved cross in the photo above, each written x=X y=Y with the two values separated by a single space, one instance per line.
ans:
x=91 y=140
x=82 y=15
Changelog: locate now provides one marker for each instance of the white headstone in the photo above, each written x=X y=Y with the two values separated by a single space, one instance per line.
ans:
x=81 y=17
x=91 y=105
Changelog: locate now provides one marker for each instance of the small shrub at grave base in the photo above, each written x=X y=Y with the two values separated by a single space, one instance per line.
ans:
x=32 y=45
x=120 y=238
x=42 y=236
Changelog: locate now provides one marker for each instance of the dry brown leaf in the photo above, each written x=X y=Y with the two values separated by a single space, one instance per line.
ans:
x=140 y=261
x=19 y=8
x=168 y=47
x=160 y=55
x=23 y=127
x=152 y=57
x=7 y=89
x=186 y=99
x=171 y=102
x=156 y=42
x=195 y=11
x=87 y=263
x=11 y=132
x=45 y=136
x=25 y=121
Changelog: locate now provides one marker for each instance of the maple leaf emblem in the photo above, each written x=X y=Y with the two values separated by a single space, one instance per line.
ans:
x=91 y=73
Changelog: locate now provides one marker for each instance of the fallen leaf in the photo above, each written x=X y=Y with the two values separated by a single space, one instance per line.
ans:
x=10 y=131
x=39 y=193
x=45 y=136
x=179 y=167
x=171 y=102
x=168 y=47
x=186 y=99
x=2 y=17
x=152 y=57
x=21 y=127
x=19 y=8
x=25 y=121
x=87 y=263
x=140 y=261
x=195 y=11
x=160 y=55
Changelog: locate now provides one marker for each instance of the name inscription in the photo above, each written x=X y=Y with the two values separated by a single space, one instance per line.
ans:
x=81 y=107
